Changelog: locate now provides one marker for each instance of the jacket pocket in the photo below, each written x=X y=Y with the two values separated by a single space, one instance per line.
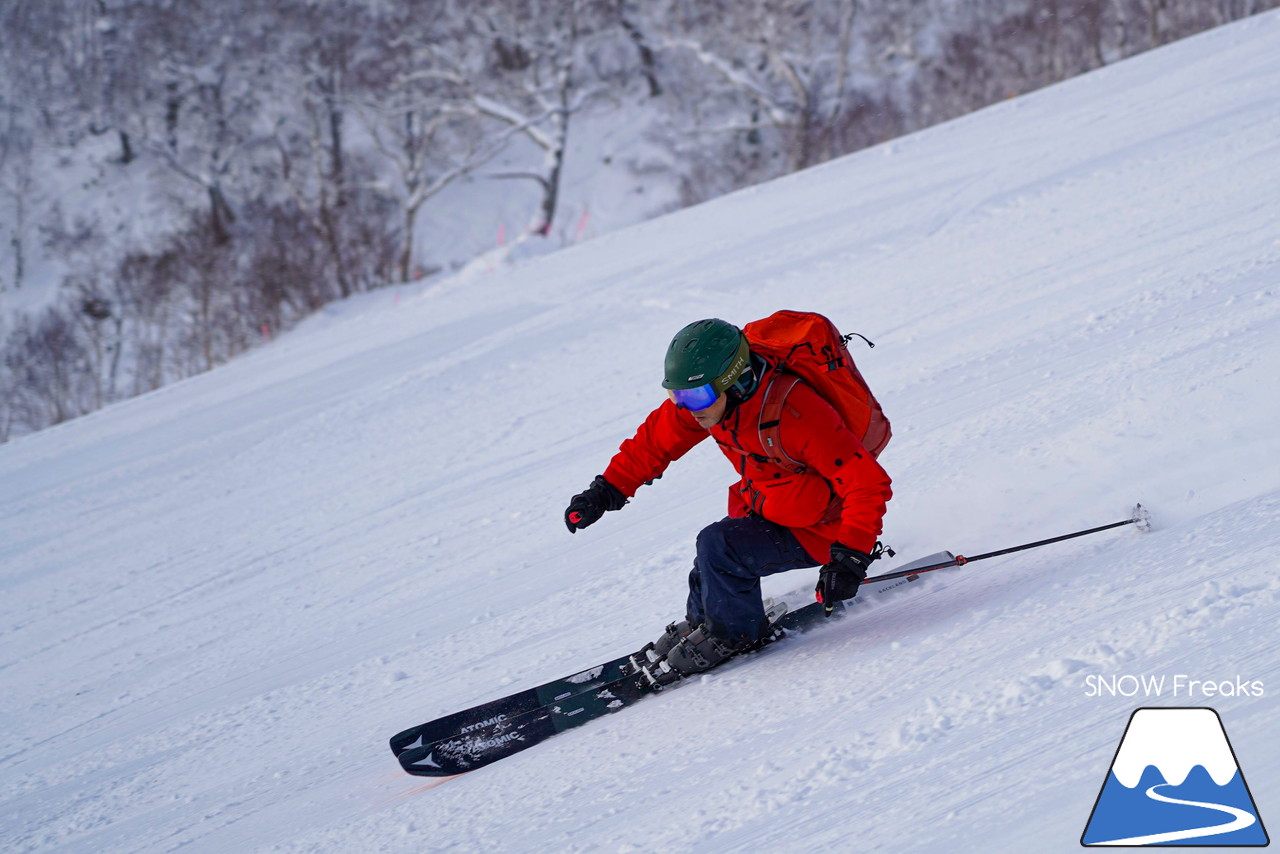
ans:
x=799 y=501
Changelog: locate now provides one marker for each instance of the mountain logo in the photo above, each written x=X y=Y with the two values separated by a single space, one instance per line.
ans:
x=1175 y=781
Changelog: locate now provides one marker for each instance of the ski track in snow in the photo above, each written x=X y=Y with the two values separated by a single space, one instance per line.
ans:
x=222 y=598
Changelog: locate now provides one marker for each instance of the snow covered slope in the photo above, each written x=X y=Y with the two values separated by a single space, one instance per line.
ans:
x=220 y=599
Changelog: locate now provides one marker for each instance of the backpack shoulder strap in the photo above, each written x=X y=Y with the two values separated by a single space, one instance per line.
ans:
x=779 y=385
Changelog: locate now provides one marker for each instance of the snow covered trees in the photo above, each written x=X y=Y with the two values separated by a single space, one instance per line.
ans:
x=203 y=173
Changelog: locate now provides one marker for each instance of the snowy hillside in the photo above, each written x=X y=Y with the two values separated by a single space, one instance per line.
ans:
x=220 y=599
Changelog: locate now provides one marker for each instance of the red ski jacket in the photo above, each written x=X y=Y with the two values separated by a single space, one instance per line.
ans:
x=839 y=497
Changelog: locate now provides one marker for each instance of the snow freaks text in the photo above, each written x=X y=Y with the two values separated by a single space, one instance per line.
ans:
x=1179 y=685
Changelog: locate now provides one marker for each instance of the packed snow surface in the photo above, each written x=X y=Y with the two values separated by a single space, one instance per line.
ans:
x=220 y=600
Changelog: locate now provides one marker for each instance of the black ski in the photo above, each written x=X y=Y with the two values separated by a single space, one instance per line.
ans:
x=500 y=737
x=492 y=731
x=509 y=707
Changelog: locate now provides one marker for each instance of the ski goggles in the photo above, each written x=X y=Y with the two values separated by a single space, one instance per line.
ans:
x=694 y=399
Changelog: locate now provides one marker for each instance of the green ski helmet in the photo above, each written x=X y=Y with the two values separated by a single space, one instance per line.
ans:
x=707 y=353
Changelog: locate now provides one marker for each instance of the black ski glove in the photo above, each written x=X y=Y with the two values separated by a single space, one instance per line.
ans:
x=588 y=506
x=839 y=579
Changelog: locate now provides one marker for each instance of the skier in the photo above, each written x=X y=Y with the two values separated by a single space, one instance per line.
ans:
x=829 y=513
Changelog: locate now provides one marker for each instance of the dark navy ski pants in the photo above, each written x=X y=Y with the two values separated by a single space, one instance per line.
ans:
x=724 y=585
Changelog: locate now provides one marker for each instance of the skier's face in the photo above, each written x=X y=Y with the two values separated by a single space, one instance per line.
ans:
x=711 y=416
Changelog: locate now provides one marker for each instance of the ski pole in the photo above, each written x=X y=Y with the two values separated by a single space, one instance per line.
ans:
x=1141 y=519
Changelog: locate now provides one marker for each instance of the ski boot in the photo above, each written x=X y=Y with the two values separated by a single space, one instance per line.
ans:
x=696 y=652
x=700 y=650
x=684 y=649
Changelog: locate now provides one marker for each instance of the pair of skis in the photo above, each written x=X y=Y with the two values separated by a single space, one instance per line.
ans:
x=479 y=736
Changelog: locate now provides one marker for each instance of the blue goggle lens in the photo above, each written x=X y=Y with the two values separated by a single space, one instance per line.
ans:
x=694 y=399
